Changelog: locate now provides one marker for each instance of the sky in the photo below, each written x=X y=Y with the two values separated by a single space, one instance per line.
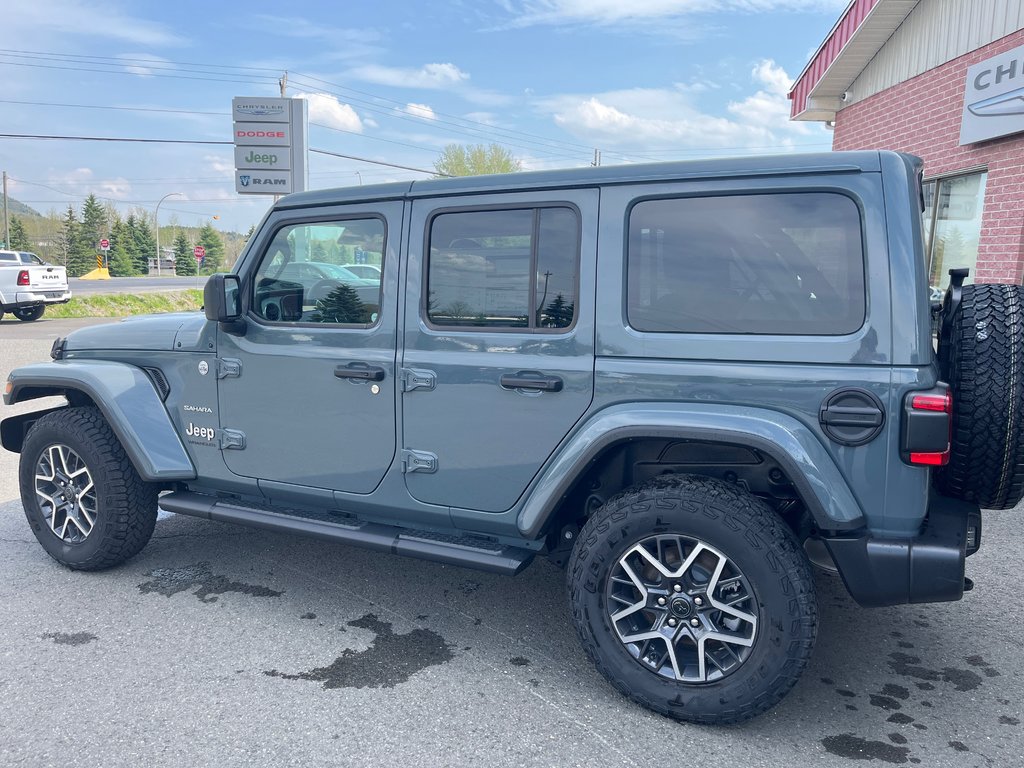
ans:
x=392 y=81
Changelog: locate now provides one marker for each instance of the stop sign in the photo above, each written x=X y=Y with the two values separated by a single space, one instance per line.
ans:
x=199 y=251
x=104 y=244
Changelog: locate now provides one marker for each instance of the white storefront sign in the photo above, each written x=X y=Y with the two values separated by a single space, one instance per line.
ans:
x=994 y=98
x=270 y=136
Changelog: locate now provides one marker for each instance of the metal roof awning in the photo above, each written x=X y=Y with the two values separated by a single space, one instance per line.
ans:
x=860 y=33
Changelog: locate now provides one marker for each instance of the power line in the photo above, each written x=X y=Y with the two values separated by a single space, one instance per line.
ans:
x=193 y=141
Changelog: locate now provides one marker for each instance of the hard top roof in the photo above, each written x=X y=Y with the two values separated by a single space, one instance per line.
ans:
x=761 y=165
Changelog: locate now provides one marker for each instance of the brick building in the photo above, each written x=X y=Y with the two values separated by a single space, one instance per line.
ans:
x=943 y=80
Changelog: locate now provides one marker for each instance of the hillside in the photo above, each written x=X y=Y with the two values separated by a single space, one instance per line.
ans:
x=18 y=208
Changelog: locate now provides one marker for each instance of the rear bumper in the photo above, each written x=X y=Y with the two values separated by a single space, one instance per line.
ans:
x=928 y=568
x=32 y=298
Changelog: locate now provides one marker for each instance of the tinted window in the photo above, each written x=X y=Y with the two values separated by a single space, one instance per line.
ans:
x=759 y=264
x=300 y=277
x=504 y=269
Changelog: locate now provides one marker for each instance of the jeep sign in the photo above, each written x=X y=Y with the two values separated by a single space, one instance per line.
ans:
x=270 y=137
x=994 y=98
x=263 y=158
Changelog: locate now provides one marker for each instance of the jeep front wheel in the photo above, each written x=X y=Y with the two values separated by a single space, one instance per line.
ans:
x=693 y=598
x=84 y=501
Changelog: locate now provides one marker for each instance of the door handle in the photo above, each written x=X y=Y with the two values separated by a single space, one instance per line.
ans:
x=360 y=372
x=524 y=380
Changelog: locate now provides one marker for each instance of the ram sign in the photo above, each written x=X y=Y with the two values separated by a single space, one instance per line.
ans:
x=270 y=137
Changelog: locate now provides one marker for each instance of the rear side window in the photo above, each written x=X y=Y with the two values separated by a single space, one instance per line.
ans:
x=503 y=269
x=751 y=264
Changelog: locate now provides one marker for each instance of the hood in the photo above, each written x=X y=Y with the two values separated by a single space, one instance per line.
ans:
x=181 y=331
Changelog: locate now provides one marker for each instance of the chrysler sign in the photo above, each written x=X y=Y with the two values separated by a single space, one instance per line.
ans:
x=994 y=98
x=270 y=145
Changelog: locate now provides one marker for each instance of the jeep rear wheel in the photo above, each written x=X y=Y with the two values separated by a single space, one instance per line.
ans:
x=986 y=372
x=693 y=598
x=84 y=501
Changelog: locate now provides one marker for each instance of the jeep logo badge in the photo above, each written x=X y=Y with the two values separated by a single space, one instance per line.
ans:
x=204 y=368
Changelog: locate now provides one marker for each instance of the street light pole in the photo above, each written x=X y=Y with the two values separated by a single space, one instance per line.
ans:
x=157 y=217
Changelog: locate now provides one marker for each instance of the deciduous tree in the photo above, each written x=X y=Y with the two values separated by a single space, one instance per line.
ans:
x=475 y=160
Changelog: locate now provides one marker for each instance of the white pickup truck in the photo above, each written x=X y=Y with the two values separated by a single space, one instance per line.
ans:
x=28 y=284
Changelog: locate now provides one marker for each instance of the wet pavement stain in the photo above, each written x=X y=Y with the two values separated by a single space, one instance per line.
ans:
x=519 y=661
x=855 y=748
x=959 y=746
x=1007 y=720
x=390 y=660
x=899 y=718
x=907 y=665
x=884 y=702
x=308 y=616
x=897 y=738
x=70 y=638
x=987 y=669
x=170 y=581
x=846 y=693
x=895 y=691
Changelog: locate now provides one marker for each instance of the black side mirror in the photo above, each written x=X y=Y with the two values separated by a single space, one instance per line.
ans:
x=222 y=298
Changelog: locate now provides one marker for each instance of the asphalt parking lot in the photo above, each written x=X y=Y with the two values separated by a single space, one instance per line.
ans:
x=226 y=646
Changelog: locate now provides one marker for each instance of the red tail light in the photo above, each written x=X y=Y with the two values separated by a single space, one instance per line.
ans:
x=928 y=427
x=23 y=277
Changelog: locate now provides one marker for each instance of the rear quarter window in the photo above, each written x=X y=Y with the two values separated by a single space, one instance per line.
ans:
x=788 y=263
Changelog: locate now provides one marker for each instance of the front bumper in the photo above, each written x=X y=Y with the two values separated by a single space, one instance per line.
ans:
x=928 y=568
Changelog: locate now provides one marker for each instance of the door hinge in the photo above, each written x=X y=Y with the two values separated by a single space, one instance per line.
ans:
x=417 y=378
x=232 y=438
x=228 y=366
x=418 y=461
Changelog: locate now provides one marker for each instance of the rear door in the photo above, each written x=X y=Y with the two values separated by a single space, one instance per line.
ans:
x=499 y=341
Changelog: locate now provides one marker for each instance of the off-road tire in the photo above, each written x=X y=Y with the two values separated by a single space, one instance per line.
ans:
x=29 y=314
x=748 y=532
x=126 y=506
x=986 y=372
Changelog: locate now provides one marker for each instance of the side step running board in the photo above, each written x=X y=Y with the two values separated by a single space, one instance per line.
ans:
x=463 y=551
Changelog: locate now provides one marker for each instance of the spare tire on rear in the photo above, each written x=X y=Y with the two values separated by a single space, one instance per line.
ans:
x=986 y=374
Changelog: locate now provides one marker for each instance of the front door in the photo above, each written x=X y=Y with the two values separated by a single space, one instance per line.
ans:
x=499 y=341
x=311 y=382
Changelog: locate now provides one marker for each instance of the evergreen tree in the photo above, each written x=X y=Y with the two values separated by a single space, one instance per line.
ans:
x=77 y=257
x=121 y=244
x=121 y=262
x=94 y=224
x=558 y=313
x=209 y=238
x=184 y=260
x=19 y=240
x=145 y=245
x=342 y=305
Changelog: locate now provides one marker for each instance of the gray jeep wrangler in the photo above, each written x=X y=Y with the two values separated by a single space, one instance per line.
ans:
x=684 y=382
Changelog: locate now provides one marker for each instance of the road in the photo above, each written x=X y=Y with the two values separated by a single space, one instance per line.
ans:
x=232 y=646
x=81 y=287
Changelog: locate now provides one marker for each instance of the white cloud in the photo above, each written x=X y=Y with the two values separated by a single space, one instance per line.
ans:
x=652 y=119
x=327 y=110
x=528 y=13
x=82 y=182
x=85 y=19
x=420 y=110
x=136 y=63
x=434 y=76
x=221 y=165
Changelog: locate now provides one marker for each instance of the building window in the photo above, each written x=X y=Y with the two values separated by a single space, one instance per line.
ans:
x=952 y=226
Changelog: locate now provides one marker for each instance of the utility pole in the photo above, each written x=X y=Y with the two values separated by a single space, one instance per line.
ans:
x=7 y=223
x=283 y=82
x=597 y=158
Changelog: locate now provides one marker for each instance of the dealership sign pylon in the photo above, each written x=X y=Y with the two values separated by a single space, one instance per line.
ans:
x=271 y=136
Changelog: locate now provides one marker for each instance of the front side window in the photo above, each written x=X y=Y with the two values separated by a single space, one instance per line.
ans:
x=301 y=277
x=504 y=269
x=753 y=264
